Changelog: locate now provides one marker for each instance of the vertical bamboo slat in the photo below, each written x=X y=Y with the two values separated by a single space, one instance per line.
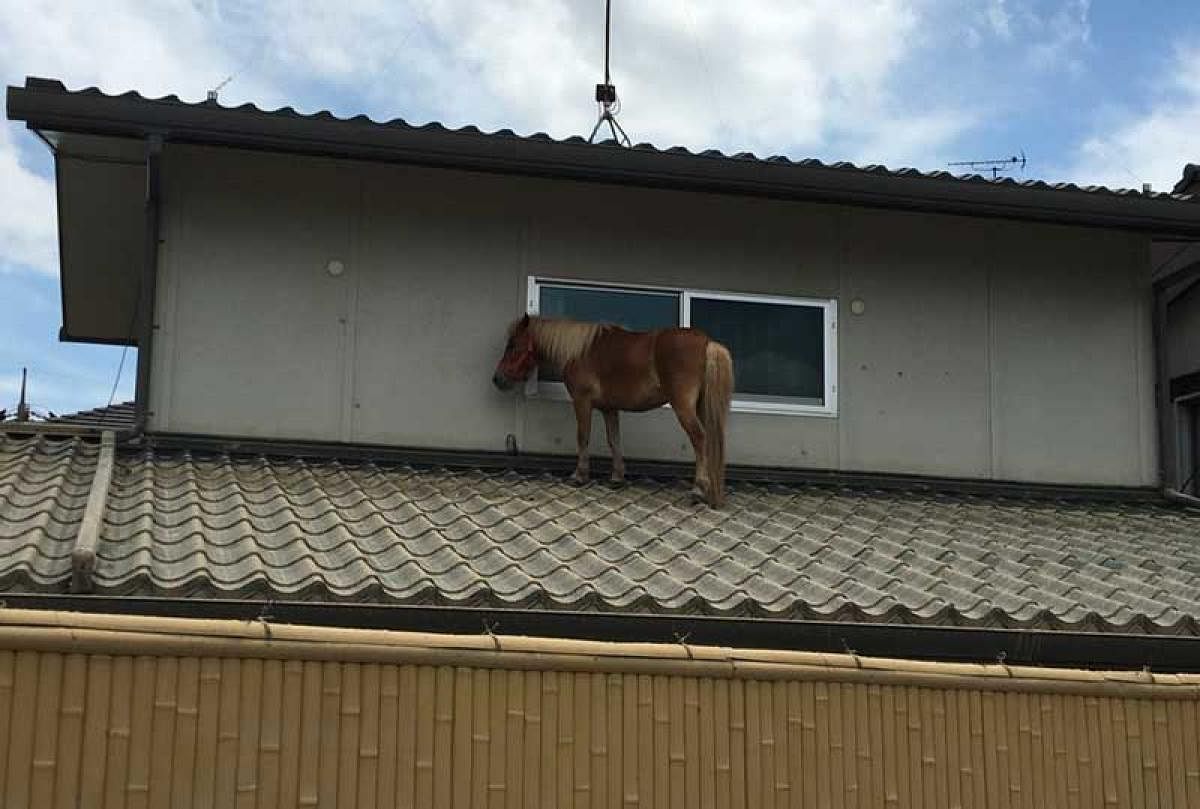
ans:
x=894 y=765
x=370 y=701
x=568 y=741
x=1150 y=763
x=187 y=720
x=613 y=701
x=249 y=732
x=137 y=785
x=389 y=732
x=119 y=729
x=207 y=709
x=515 y=742
x=874 y=722
x=754 y=774
x=958 y=745
x=443 y=738
x=7 y=670
x=330 y=733
x=45 y=740
x=312 y=688
x=498 y=689
x=916 y=762
x=837 y=748
x=548 y=789
x=708 y=744
x=72 y=705
x=645 y=734
x=1190 y=729
x=630 y=787
x=406 y=754
x=532 y=776
x=162 y=742
x=599 y=742
x=583 y=740
x=677 y=755
x=480 y=738
x=425 y=715
x=464 y=747
x=270 y=743
x=721 y=735
x=349 y=721
x=783 y=777
x=691 y=742
x=662 y=743
x=737 y=744
x=821 y=719
x=95 y=731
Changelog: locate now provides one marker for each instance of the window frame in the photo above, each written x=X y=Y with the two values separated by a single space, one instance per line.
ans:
x=536 y=388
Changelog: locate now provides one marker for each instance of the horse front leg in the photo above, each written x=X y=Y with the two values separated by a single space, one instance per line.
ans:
x=612 y=426
x=583 y=436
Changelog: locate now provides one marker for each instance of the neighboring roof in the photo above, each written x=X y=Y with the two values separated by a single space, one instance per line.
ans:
x=116 y=417
x=47 y=105
x=216 y=525
x=1191 y=175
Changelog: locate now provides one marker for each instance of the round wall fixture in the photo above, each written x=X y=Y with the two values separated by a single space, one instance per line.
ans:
x=857 y=306
x=335 y=268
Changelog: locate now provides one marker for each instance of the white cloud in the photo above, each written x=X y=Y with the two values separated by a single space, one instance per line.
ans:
x=27 y=216
x=1150 y=144
x=999 y=20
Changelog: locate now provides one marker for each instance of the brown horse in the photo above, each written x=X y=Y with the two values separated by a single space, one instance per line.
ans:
x=610 y=369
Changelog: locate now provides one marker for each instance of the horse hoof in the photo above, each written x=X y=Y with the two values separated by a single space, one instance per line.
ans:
x=576 y=481
x=698 y=496
x=616 y=483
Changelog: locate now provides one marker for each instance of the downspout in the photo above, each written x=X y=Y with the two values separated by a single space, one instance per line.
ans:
x=147 y=287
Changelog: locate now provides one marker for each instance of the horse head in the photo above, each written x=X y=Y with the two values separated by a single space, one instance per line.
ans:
x=519 y=358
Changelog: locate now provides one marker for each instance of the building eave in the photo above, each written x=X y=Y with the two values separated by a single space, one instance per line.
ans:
x=47 y=106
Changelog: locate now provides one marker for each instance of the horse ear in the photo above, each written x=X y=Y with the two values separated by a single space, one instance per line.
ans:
x=525 y=320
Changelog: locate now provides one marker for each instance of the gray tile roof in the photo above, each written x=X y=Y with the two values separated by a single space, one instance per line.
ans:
x=184 y=523
x=130 y=100
x=118 y=416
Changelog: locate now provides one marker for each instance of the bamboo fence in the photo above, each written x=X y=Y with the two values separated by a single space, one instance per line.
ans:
x=145 y=712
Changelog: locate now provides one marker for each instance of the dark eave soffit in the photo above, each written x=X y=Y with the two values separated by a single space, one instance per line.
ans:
x=46 y=105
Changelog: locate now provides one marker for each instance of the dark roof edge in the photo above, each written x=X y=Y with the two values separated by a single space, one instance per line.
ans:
x=636 y=467
x=1054 y=648
x=46 y=104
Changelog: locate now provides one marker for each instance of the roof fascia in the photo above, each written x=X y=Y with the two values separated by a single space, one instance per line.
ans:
x=47 y=105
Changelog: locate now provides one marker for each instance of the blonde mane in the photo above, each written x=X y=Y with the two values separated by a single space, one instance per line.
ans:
x=560 y=341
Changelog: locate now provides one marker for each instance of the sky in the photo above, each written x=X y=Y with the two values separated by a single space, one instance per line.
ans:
x=1105 y=92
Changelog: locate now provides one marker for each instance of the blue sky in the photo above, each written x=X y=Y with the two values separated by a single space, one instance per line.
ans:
x=1104 y=92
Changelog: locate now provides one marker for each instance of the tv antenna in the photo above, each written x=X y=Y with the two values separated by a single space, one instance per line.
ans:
x=606 y=94
x=1003 y=164
x=212 y=94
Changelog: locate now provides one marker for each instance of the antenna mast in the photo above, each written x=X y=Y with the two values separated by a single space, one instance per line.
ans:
x=994 y=166
x=606 y=94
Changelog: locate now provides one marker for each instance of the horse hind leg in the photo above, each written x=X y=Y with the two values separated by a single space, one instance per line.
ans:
x=685 y=411
x=612 y=426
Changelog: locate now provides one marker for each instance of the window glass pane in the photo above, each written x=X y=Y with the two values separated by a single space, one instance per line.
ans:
x=778 y=349
x=635 y=310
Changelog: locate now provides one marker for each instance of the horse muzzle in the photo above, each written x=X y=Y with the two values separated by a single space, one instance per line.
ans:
x=501 y=381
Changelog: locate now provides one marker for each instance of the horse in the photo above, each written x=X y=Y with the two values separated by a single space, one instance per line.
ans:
x=610 y=369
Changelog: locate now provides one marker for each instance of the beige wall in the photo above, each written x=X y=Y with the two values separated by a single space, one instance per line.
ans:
x=119 y=713
x=987 y=349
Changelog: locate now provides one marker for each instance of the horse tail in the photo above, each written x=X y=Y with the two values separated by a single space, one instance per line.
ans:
x=715 y=396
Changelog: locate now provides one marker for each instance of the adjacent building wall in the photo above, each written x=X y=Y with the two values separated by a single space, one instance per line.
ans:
x=139 y=712
x=986 y=349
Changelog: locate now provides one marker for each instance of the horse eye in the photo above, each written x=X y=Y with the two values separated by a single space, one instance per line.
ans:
x=508 y=346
